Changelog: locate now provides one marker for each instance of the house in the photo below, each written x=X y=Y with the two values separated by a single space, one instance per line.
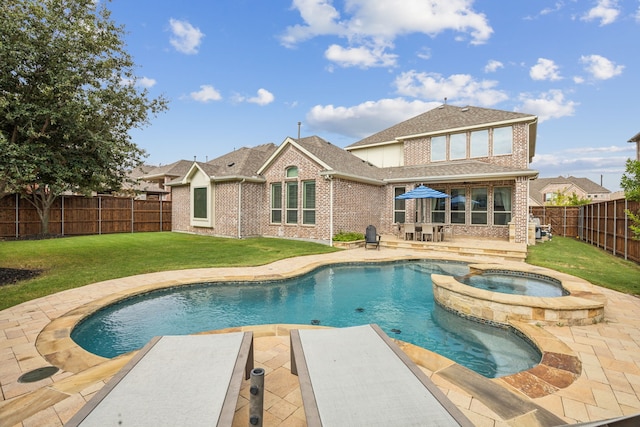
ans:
x=308 y=188
x=543 y=190
x=636 y=139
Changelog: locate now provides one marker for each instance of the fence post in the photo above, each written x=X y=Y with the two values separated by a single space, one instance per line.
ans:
x=62 y=215
x=99 y=215
x=132 y=214
x=626 y=227
x=17 y=216
x=161 y=228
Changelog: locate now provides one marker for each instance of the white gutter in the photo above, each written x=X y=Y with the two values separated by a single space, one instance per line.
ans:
x=460 y=178
x=330 y=178
x=355 y=178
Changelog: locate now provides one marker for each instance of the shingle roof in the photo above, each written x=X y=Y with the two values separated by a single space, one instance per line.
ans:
x=337 y=158
x=464 y=169
x=242 y=162
x=174 y=169
x=635 y=138
x=537 y=186
x=442 y=119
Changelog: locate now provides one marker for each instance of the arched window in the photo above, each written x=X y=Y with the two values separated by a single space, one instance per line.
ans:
x=291 y=172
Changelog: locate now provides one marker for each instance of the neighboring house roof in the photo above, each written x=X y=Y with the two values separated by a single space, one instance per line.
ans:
x=449 y=118
x=239 y=164
x=172 y=170
x=536 y=187
x=458 y=171
x=136 y=181
x=636 y=138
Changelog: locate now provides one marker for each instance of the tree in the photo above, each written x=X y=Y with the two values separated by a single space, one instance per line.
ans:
x=630 y=183
x=561 y=198
x=68 y=100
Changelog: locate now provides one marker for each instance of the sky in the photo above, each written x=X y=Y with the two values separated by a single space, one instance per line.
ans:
x=241 y=73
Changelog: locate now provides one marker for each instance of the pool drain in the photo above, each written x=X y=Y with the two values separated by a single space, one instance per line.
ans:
x=37 y=374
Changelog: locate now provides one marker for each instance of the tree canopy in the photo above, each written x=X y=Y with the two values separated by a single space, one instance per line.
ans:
x=630 y=183
x=68 y=99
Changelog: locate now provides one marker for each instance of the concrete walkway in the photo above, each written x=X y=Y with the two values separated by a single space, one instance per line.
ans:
x=35 y=334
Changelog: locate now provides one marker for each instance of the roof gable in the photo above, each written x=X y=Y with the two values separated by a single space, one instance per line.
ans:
x=443 y=119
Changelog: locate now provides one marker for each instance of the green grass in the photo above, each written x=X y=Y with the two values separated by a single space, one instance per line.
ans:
x=588 y=262
x=77 y=261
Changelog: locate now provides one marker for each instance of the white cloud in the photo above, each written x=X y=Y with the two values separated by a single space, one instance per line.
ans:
x=549 y=105
x=458 y=88
x=264 y=97
x=186 y=38
x=493 y=66
x=207 y=93
x=367 y=118
x=377 y=23
x=600 y=67
x=545 y=69
x=146 y=82
x=606 y=11
x=362 y=56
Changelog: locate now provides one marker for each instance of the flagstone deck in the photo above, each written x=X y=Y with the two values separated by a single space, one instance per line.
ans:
x=592 y=372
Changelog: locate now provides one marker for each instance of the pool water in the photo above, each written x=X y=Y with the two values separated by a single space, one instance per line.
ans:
x=515 y=285
x=397 y=296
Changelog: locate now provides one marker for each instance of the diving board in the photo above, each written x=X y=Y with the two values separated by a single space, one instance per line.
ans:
x=191 y=380
x=359 y=376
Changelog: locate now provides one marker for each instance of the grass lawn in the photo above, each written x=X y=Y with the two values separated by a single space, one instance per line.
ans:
x=77 y=261
x=588 y=262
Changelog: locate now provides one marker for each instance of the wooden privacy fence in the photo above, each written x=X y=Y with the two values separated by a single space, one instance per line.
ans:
x=78 y=215
x=602 y=224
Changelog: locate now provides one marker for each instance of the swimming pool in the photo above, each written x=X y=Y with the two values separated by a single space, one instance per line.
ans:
x=397 y=296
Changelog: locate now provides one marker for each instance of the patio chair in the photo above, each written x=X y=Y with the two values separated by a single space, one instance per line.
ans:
x=427 y=233
x=359 y=376
x=371 y=237
x=175 y=380
x=410 y=230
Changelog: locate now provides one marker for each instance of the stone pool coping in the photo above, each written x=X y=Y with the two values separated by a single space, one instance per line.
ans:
x=558 y=368
x=581 y=307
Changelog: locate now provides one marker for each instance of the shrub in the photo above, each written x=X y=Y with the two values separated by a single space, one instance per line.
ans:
x=348 y=236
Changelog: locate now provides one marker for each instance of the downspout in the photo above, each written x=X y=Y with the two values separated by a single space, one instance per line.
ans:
x=330 y=178
x=240 y=208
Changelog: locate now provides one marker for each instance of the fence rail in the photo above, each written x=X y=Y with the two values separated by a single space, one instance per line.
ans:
x=78 y=215
x=602 y=224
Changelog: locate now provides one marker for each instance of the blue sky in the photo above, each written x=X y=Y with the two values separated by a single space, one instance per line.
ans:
x=240 y=73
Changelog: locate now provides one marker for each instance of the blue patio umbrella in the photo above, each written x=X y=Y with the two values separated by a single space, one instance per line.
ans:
x=422 y=192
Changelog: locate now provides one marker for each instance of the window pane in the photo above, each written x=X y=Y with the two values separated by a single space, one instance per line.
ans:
x=438 y=148
x=292 y=172
x=458 y=146
x=501 y=205
x=308 y=202
x=292 y=202
x=438 y=207
x=309 y=196
x=399 y=205
x=480 y=143
x=458 y=205
x=502 y=140
x=200 y=202
x=276 y=202
x=478 y=206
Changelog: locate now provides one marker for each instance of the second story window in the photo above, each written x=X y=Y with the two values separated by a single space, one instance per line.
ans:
x=480 y=143
x=458 y=146
x=502 y=141
x=438 y=148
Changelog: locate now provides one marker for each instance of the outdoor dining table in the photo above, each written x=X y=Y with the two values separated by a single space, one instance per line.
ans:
x=437 y=230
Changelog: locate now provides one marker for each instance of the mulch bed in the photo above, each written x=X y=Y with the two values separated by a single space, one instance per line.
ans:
x=10 y=276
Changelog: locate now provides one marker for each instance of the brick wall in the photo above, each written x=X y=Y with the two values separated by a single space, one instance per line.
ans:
x=307 y=170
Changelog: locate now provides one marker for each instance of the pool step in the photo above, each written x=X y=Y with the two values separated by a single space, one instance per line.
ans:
x=466 y=248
